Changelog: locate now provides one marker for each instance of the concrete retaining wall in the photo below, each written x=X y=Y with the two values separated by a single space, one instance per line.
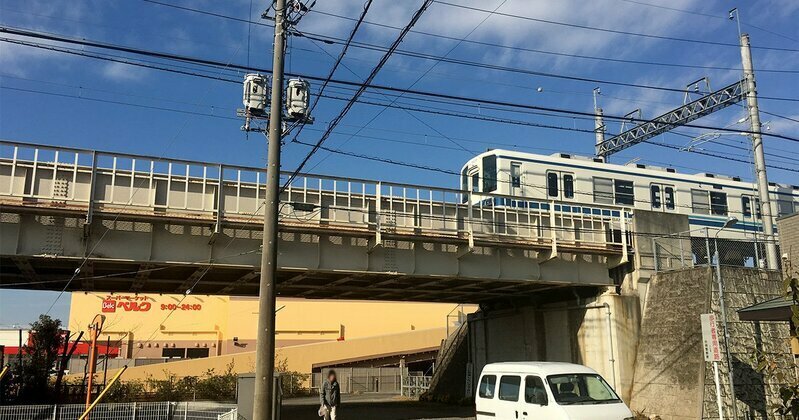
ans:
x=577 y=332
x=672 y=379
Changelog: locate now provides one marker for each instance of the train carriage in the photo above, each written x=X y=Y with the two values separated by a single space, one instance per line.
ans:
x=707 y=199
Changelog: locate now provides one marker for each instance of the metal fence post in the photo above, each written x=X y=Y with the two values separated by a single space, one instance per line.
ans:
x=682 y=252
x=655 y=253
x=185 y=410
x=133 y=417
x=707 y=246
x=55 y=411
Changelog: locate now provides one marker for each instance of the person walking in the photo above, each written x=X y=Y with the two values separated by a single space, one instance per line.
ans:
x=330 y=396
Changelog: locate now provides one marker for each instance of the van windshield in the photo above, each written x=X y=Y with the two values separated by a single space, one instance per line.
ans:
x=581 y=388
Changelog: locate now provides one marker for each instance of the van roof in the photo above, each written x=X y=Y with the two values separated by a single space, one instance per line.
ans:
x=541 y=368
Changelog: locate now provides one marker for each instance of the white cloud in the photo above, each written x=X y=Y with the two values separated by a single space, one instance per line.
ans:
x=121 y=72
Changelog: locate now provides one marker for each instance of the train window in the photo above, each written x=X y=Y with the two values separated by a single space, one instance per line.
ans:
x=700 y=202
x=784 y=207
x=568 y=186
x=552 y=184
x=489 y=173
x=624 y=192
x=655 y=193
x=718 y=203
x=603 y=190
x=515 y=174
x=746 y=206
x=669 y=197
x=465 y=184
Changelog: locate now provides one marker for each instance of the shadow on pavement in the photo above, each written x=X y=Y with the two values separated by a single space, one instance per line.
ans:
x=384 y=410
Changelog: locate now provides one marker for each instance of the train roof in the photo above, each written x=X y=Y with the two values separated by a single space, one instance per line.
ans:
x=600 y=163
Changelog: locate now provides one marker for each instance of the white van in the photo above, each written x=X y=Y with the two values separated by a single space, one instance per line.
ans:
x=546 y=390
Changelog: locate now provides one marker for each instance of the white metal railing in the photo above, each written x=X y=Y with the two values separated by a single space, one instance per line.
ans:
x=230 y=415
x=91 y=181
x=414 y=386
x=184 y=410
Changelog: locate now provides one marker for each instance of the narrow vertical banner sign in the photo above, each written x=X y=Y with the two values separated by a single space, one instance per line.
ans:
x=710 y=338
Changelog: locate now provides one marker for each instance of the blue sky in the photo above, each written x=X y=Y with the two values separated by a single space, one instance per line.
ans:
x=70 y=121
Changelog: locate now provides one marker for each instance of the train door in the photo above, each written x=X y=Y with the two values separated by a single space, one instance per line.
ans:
x=750 y=207
x=516 y=181
x=560 y=185
x=662 y=197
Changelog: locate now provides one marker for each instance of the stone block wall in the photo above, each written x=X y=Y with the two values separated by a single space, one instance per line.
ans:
x=754 y=393
x=672 y=379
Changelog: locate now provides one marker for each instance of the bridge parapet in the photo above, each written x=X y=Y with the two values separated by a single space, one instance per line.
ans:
x=115 y=187
x=59 y=178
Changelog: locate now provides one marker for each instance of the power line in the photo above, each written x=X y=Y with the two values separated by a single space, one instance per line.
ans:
x=608 y=30
x=407 y=108
x=556 y=53
x=340 y=57
x=207 y=62
x=418 y=79
x=692 y=12
x=347 y=83
x=362 y=87
x=481 y=43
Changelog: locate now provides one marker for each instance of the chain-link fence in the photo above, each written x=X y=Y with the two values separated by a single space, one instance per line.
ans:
x=708 y=246
x=185 y=410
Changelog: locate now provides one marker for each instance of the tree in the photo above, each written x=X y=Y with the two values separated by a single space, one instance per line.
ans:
x=46 y=340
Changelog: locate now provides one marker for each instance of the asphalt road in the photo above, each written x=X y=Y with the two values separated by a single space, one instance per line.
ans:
x=377 y=406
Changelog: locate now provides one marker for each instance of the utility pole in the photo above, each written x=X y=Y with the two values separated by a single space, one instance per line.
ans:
x=760 y=160
x=265 y=345
x=599 y=122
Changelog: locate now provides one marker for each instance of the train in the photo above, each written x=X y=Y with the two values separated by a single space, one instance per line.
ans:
x=708 y=200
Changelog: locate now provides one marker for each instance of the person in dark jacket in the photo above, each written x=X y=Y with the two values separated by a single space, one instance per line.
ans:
x=330 y=395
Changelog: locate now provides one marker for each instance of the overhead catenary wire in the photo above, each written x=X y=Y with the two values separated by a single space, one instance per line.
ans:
x=393 y=89
x=720 y=17
x=418 y=79
x=481 y=43
x=339 y=59
x=610 y=30
x=362 y=87
x=414 y=109
x=516 y=146
x=558 y=53
x=201 y=61
x=97 y=243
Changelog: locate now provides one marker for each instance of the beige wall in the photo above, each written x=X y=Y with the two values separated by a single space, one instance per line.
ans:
x=788 y=227
x=301 y=358
x=145 y=324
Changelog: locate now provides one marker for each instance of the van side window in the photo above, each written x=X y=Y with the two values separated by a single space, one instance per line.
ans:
x=509 y=388
x=534 y=391
x=487 y=386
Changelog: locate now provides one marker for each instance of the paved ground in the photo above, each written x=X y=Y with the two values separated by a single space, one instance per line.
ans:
x=376 y=406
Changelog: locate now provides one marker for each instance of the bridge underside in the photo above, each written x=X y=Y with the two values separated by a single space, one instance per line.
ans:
x=41 y=249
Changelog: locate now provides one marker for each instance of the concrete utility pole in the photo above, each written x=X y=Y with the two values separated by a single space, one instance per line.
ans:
x=760 y=160
x=599 y=122
x=265 y=346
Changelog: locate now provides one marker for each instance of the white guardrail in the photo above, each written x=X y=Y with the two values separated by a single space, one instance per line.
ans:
x=185 y=410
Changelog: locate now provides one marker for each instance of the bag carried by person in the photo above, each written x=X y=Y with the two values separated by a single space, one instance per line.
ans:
x=323 y=411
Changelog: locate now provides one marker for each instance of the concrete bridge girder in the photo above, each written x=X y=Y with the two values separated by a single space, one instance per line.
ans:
x=312 y=259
